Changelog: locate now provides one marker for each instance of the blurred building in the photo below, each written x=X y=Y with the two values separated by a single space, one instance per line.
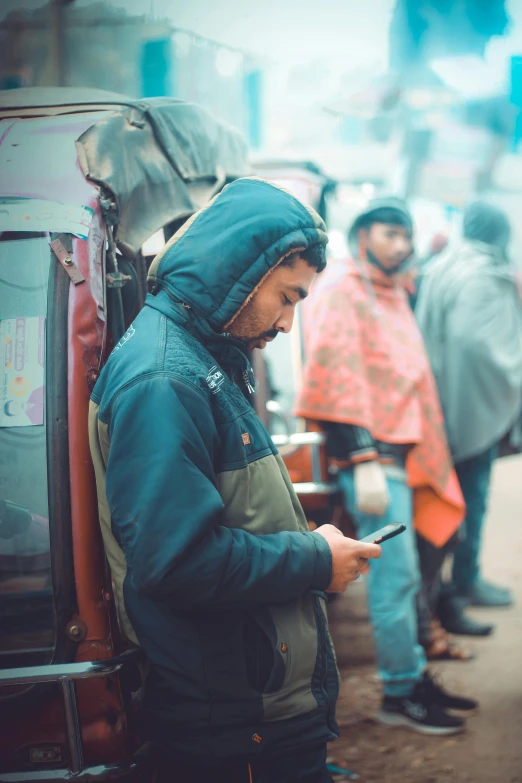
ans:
x=423 y=31
x=101 y=46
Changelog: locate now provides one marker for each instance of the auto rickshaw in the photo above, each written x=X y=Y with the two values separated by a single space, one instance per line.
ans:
x=87 y=177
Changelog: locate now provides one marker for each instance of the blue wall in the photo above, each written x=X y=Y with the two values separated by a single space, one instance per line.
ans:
x=157 y=68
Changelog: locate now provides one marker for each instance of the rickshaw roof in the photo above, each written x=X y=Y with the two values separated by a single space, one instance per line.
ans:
x=45 y=101
x=155 y=159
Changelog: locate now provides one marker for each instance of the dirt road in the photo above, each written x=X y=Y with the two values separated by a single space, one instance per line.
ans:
x=490 y=751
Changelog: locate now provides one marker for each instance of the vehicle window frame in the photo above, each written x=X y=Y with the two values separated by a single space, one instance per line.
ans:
x=58 y=479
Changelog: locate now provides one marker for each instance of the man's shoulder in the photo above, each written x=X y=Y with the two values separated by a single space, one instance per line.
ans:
x=154 y=346
x=186 y=357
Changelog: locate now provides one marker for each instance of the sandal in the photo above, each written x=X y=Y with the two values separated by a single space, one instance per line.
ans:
x=441 y=647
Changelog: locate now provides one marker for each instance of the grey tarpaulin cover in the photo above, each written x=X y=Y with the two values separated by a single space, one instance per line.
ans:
x=150 y=157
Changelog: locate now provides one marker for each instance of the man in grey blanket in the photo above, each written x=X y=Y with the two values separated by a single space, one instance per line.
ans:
x=470 y=315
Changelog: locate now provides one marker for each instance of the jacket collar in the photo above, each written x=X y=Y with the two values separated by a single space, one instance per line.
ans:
x=227 y=350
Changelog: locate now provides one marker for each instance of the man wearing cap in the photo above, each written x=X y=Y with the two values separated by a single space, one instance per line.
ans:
x=216 y=574
x=367 y=381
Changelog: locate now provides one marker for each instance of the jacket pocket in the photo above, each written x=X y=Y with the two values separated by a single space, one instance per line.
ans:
x=298 y=642
x=265 y=667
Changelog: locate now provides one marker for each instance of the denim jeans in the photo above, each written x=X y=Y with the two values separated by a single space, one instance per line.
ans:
x=475 y=476
x=393 y=582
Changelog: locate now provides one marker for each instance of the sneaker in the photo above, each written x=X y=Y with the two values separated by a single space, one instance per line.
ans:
x=446 y=701
x=418 y=712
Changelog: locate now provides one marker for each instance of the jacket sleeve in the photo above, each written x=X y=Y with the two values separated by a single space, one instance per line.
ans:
x=166 y=509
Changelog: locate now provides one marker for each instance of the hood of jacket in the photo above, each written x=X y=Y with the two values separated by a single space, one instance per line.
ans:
x=218 y=259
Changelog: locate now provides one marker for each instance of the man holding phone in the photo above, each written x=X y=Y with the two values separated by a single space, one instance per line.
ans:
x=368 y=382
x=216 y=574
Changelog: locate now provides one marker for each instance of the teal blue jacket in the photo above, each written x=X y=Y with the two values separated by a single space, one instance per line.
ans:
x=217 y=576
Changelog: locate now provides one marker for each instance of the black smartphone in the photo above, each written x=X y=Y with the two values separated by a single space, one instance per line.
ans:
x=386 y=532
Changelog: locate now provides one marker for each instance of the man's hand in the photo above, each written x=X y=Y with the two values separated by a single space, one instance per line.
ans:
x=371 y=488
x=349 y=557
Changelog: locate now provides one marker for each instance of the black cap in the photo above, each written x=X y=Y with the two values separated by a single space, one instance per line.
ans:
x=389 y=207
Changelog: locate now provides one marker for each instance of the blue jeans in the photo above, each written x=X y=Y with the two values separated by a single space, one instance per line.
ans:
x=475 y=476
x=393 y=582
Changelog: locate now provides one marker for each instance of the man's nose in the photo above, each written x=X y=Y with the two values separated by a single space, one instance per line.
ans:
x=404 y=246
x=284 y=323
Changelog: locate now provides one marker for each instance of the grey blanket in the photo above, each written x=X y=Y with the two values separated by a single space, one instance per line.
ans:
x=470 y=315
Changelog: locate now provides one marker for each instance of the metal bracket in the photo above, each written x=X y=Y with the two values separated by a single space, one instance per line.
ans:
x=65 y=674
x=117 y=279
x=76 y=630
x=67 y=261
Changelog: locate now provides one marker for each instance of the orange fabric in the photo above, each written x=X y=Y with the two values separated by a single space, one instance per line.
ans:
x=366 y=365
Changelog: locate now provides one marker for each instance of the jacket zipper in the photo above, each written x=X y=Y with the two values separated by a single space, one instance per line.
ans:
x=325 y=675
x=248 y=385
x=326 y=643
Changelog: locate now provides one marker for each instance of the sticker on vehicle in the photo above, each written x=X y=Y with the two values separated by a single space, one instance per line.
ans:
x=22 y=348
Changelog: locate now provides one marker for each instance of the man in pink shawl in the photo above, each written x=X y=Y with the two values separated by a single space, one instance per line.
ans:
x=368 y=382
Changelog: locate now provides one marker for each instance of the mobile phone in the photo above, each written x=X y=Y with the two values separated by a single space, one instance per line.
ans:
x=386 y=532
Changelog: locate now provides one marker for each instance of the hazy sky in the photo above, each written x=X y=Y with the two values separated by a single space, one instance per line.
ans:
x=350 y=32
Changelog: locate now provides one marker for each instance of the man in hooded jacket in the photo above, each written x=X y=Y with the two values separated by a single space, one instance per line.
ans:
x=216 y=574
x=470 y=315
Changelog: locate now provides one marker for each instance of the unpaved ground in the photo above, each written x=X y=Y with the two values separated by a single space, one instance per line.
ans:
x=491 y=748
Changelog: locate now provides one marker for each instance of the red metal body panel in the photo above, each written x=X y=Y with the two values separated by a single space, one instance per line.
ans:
x=85 y=338
x=101 y=711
